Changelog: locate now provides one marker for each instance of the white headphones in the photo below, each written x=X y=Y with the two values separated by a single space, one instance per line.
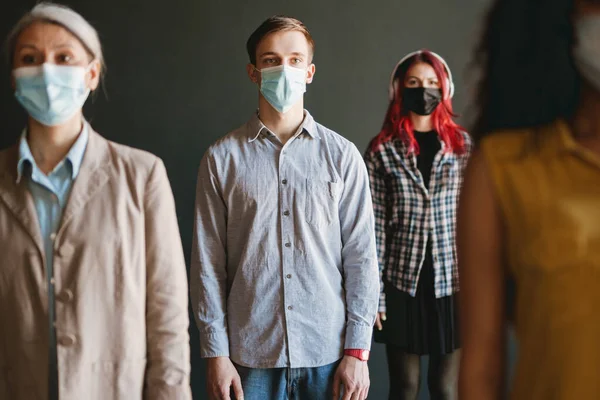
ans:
x=394 y=84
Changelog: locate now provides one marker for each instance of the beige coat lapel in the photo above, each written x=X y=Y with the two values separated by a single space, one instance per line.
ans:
x=18 y=199
x=92 y=177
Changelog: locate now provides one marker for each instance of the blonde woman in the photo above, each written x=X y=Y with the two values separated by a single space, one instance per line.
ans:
x=93 y=285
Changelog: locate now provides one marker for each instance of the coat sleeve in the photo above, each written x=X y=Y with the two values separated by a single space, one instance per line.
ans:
x=167 y=321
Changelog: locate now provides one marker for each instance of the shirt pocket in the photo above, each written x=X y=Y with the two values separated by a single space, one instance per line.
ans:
x=448 y=182
x=321 y=202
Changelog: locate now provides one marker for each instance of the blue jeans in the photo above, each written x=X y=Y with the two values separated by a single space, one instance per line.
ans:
x=288 y=383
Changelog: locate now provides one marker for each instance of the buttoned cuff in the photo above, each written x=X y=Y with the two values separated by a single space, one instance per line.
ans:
x=358 y=337
x=214 y=344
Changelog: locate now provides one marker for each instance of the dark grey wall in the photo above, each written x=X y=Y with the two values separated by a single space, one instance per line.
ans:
x=177 y=82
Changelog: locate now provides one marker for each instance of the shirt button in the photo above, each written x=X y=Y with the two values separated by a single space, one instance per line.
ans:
x=286 y=213
x=288 y=244
x=290 y=308
x=64 y=251
x=68 y=340
x=289 y=276
x=284 y=181
x=52 y=236
x=52 y=281
x=65 y=296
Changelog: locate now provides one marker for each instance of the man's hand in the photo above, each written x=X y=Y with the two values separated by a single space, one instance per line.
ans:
x=353 y=375
x=379 y=320
x=221 y=376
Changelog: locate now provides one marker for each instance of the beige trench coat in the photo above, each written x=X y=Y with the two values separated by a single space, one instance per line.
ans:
x=120 y=284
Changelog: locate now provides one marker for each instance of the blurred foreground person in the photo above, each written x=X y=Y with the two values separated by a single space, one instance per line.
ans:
x=530 y=206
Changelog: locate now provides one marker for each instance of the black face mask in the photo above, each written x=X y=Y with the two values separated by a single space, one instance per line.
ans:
x=421 y=101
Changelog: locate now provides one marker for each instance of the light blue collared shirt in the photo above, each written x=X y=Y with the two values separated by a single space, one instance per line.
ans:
x=284 y=264
x=50 y=194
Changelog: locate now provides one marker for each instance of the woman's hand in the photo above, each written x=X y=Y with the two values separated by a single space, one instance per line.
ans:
x=379 y=320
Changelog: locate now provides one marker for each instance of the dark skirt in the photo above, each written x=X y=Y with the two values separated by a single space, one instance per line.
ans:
x=422 y=324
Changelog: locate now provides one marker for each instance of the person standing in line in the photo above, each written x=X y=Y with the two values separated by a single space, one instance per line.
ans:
x=284 y=266
x=529 y=213
x=93 y=286
x=415 y=167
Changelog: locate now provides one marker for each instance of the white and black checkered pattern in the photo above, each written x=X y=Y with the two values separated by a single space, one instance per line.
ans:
x=406 y=211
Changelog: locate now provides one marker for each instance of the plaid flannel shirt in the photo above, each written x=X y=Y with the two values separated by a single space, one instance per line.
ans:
x=407 y=215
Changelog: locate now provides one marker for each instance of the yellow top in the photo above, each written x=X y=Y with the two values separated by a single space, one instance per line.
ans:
x=548 y=187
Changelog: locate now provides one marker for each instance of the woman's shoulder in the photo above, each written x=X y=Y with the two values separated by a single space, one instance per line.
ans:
x=132 y=155
x=507 y=143
x=377 y=145
x=124 y=159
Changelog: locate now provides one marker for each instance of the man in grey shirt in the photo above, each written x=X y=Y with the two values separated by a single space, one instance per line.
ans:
x=285 y=282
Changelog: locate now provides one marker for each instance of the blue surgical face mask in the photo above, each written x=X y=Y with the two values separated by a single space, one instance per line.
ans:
x=283 y=86
x=51 y=94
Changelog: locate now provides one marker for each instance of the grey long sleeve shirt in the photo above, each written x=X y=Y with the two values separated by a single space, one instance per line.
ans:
x=284 y=264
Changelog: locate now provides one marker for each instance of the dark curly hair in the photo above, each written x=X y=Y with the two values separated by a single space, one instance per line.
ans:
x=525 y=57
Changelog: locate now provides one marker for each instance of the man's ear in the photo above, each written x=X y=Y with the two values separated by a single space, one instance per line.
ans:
x=310 y=73
x=253 y=74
